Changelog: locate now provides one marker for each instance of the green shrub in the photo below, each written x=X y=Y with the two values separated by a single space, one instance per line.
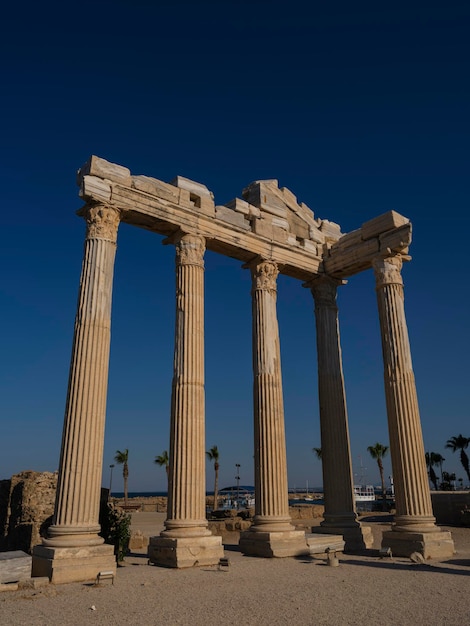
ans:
x=115 y=529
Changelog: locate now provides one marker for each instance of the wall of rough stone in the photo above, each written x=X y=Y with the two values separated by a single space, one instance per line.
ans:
x=447 y=506
x=26 y=509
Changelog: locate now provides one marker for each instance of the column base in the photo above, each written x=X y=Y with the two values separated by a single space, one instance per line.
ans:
x=274 y=544
x=356 y=538
x=67 y=565
x=183 y=552
x=432 y=545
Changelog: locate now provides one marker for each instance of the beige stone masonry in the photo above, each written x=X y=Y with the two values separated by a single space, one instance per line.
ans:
x=356 y=251
x=152 y=204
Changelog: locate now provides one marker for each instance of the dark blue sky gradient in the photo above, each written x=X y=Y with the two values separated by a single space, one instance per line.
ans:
x=358 y=108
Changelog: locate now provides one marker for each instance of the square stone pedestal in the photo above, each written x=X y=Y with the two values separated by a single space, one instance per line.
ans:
x=274 y=544
x=66 y=565
x=356 y=538
x=185 y=551
x=434 y=545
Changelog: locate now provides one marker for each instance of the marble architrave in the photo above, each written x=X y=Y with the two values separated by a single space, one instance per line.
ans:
x=414 y=528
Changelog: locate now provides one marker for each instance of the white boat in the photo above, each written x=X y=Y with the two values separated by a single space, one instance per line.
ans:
x=364 y=493
x=307 y=495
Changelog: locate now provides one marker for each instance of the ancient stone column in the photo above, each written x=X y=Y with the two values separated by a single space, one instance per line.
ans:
x=75 y=526
x=414 y=526
x=186 y=540
x=340 y=509
x=272 y=533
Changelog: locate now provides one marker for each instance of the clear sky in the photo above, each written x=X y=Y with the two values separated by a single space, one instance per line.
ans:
x=358 y=108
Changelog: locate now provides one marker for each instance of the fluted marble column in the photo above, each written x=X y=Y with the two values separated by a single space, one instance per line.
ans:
x=187 y=476
x=272 y=533
x=186 y=540
x=73 y=550
x=413 y=501
x=414 y=513
x=340 y=509
x=79 y=483
x=271 y=490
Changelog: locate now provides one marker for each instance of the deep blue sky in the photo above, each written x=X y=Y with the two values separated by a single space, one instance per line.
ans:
x=358 y=108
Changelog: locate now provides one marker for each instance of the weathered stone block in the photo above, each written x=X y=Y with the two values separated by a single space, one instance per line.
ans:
x=156 y=187
x=138 y=541
x=318 y=544
x=274 y=544
x=185 y=552
x=93 y=188
x=232 y=217
x=382 y=223
x=331 y=230
x=95 y=166
x=433 y=545
x=14 y=566
x=263 y=227
x=64 y=565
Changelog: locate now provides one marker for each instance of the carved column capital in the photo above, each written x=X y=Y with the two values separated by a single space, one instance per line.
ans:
x=190 y=250
x=324 y=290
x=264 y=274
x=102 y=221
x=388 y=270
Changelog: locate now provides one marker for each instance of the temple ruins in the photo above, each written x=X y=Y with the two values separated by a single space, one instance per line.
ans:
x=269 y=232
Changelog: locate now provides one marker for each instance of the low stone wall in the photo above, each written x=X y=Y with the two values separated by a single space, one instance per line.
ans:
x=26 y=509
x=448 y=506
x=152 y=504
x=306 y=511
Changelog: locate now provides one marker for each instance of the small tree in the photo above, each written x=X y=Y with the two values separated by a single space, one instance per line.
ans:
x=164 y=461
x=378 y=452
x=213 y=455
x=122 y=458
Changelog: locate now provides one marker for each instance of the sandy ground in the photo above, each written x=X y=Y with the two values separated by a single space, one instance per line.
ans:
x=362 y=590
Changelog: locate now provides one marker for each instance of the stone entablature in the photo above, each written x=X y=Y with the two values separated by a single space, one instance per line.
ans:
x=267 y=222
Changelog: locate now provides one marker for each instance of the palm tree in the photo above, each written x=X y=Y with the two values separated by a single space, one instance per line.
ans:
x=430 y=462
x=460 y=443
x=213 y=455
x=122 y=458
x=438 y=460
x=164 y=461
x=378 y=452
x=318 y=453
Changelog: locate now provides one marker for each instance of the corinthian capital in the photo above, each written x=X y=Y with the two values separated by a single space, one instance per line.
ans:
x=264 y=275
x=190 y=250
x=388 y=270
x=102 y=221
x=324 y=290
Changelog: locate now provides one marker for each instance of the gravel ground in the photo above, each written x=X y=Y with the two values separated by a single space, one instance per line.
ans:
x=363 y=589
